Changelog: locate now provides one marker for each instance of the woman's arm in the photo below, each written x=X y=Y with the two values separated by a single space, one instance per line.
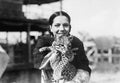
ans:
x=81 y=63
x=43 y=41
x=36 y=54
x=80 y=59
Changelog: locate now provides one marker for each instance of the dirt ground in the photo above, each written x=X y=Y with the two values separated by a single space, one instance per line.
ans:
x=105 y=77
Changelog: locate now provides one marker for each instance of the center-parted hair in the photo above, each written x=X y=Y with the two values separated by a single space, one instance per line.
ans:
x=58 y=13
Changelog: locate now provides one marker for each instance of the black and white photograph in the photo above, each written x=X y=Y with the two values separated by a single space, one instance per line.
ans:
x=59 y=41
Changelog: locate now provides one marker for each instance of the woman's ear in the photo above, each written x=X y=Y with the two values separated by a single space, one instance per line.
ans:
x=50 y=30
x=70 y=29
x=50 y=27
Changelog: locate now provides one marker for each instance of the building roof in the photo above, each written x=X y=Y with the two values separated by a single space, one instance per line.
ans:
x=12 y=18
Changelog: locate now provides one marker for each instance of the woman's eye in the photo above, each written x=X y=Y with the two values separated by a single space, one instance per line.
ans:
x=57 y=25
x=65 y=25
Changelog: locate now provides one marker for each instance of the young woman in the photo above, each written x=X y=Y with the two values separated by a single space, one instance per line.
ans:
x=63 y=52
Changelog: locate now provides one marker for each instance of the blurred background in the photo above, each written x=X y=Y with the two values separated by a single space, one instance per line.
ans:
x=95 y=22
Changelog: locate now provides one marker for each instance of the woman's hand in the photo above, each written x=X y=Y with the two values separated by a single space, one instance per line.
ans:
x=81 y=77
x=45 y=49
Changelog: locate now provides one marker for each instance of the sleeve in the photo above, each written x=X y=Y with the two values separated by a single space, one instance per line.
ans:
x=81 y=77
x=42 y=41
x=36 y=54
x=80 y=59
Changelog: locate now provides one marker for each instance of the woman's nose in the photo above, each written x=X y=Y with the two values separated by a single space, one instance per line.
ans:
x=61 y=28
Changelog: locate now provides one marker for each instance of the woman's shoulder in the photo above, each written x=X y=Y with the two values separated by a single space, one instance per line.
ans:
x=46 y=39
x=76 y=40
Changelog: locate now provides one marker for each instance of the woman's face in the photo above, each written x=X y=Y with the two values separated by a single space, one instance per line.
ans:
x=60 y=26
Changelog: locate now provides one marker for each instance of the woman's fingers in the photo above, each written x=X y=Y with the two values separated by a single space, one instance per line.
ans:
x=44 y=49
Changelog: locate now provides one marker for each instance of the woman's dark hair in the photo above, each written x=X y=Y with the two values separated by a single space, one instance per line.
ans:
x=58 y=13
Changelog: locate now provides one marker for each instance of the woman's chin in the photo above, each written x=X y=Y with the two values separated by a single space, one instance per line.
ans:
x=59 y=35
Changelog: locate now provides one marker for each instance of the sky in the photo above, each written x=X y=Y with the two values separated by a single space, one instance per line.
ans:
x=95 y=17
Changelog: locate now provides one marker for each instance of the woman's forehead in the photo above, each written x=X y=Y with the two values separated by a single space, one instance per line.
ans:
x=60 y=19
